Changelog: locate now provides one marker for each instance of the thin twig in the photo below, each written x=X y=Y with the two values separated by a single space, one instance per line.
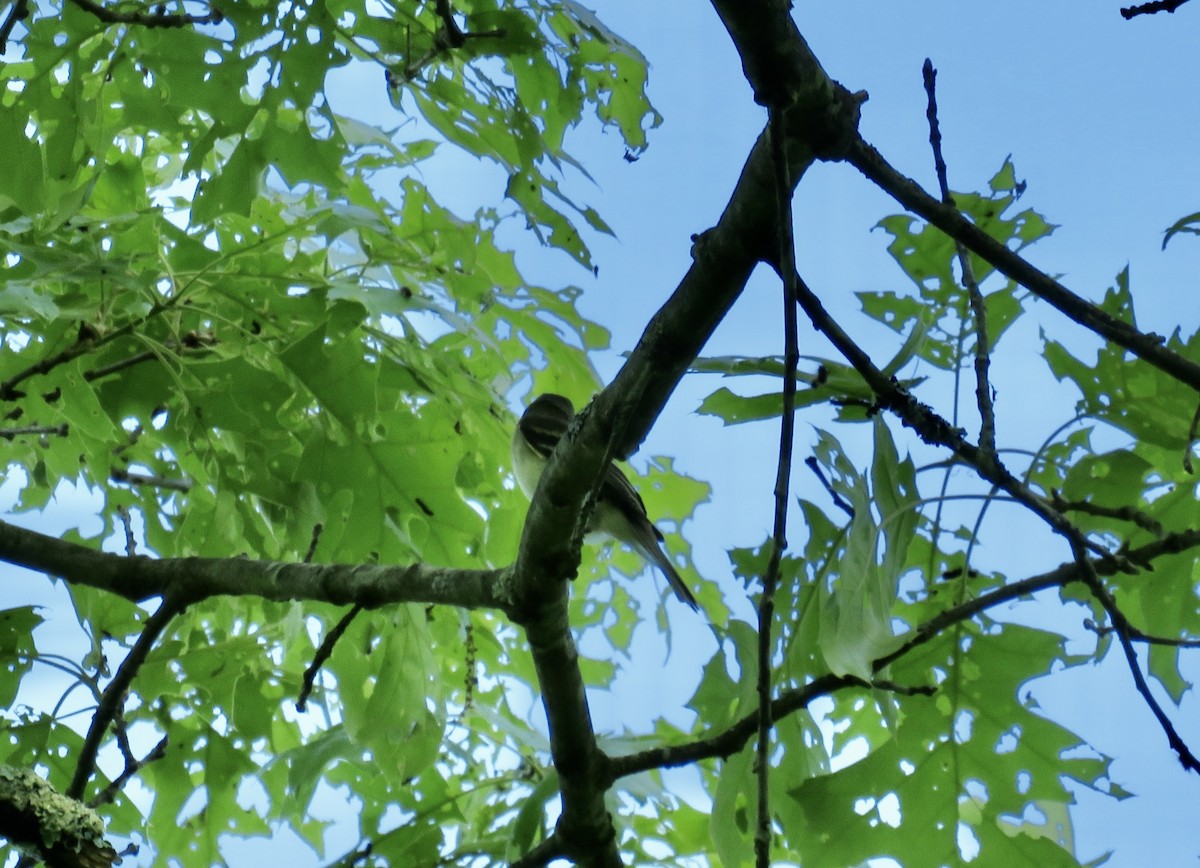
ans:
x=1150 y=348
x=8 y=390
x=783 y=475
x=931 y=427
x=450 y=36
x=838 y=501
x=1121 y=513
x=89 y=339
x=317 y=530
x=114 y=694
x=732 y=739
x=191 y=342
x=1138 y=636
x=1123 y=629
x=983 y=388
x=323 y=652
x=120 y=474
x=130 y=543
x=57 y=430
x=355 y=857
x=131 y=768
x=138 y=358
x=146 y=19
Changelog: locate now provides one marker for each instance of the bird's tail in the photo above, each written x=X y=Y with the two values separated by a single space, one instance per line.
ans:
x=652 y=551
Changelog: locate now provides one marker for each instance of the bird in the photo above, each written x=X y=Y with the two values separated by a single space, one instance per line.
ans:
x=619 y=512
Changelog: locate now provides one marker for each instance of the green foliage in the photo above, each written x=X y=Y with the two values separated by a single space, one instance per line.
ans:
x=239 y=320
x=217 y=318
x=975 y=761
x=940 y=308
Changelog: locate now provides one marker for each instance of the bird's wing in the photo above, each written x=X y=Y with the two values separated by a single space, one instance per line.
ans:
x=619 y=491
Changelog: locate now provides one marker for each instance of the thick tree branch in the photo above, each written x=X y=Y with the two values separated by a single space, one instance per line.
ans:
x=191 y=579
x=783 y=71
x=61 y=830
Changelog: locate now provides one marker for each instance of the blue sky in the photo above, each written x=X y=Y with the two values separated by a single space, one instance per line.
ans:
x=1100 y=117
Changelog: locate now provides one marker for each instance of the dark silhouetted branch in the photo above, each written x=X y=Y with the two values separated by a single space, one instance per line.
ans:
x=148 y=19
x=1152 y=8
x=783 y=474
x=113 y=697
x=983 y=388
x=1148 y=347
x=323 y=652
x=120 y=474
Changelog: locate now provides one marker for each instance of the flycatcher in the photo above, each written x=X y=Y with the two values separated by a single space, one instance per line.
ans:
x=619 y=512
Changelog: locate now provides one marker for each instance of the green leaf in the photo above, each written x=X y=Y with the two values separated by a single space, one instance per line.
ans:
x=1189 y=224
x=856 y=614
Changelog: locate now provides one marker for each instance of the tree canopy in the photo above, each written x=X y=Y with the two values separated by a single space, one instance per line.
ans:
x=237 y=324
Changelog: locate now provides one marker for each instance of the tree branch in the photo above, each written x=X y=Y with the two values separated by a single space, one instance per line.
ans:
x=1148 y=347
x=615 y=422
x=1131 y=514
x=1138 y=636
x=541 y=855
x=131 y=768
x=783 y=475
x=120 y=474
x=61 y=830
x=983 y=388
x=1151 y=8
x=57 y=430
x=449 y=37
x=735 y=737
x=189 y=580
x=148 y=19
x=113 y=698
x=323 y=652
x=1123 y=629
